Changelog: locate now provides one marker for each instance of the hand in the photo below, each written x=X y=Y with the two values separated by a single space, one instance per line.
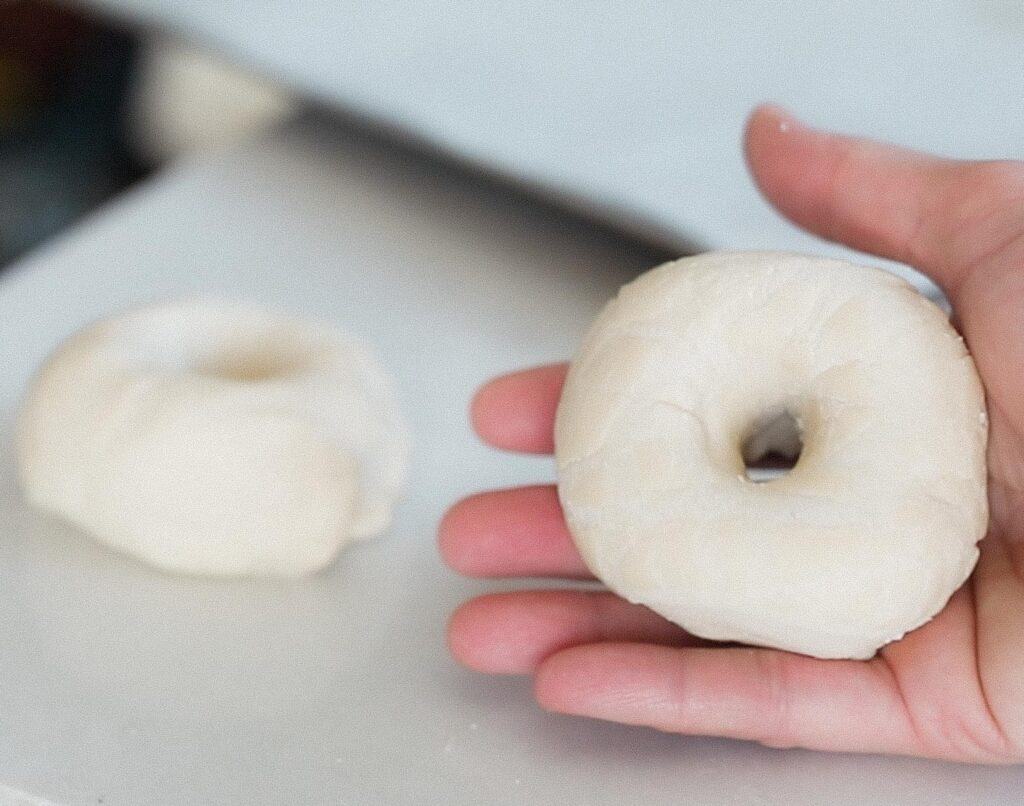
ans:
x=952 y=689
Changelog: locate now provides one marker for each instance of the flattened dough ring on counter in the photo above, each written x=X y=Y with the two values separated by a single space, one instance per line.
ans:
x=215 y=438
x=704 y=365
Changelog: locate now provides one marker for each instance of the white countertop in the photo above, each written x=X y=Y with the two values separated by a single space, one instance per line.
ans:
x=634 y=110
x=124 y=686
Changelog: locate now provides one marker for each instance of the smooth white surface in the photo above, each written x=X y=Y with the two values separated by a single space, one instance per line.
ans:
x=871 y=531
x=120 y=683
x=634 y=109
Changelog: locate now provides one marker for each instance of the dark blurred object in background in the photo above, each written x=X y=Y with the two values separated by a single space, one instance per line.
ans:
x=63 y=83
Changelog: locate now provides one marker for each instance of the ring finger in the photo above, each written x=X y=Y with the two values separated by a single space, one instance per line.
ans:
x=512 y=633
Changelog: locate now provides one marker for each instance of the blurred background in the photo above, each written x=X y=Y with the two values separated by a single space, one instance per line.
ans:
x=63 y=83
x=627 y=113
x=90 y=105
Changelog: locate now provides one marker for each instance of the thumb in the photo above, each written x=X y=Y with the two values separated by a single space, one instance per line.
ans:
x=944 y=217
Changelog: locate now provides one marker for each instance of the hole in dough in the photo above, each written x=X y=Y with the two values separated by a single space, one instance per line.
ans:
x=255 y=365
x=772 y=446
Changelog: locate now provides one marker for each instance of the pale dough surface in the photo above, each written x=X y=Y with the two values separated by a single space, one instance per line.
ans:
x=864 y=539
x=214 y=438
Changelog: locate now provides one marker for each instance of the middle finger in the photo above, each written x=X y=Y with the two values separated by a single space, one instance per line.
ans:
x=509 y=533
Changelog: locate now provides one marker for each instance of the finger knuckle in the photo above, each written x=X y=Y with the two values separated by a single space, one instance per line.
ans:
x=997 y=179
x=774 y=716
x=970 y=731
x=978 y=213
x=987 y=192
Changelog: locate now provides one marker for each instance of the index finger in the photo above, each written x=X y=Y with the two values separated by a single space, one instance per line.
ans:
x=516 y=412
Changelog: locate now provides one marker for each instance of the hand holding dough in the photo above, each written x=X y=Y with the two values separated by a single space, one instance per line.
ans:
x=702 y=366
x=214 y=439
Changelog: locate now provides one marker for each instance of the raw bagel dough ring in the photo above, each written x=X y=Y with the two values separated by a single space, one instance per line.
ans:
x=214 y=438
x=872 y=530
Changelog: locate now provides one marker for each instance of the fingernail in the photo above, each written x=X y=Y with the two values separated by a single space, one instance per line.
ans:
x=784 y=120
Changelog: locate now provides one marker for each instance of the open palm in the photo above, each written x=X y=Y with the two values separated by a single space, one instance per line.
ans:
x=952 y=689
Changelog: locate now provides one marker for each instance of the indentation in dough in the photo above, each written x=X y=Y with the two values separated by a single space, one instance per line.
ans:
x=256 y=363
x=772 y=445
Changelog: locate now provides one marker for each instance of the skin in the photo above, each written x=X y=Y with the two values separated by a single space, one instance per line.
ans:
x=953 y=689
